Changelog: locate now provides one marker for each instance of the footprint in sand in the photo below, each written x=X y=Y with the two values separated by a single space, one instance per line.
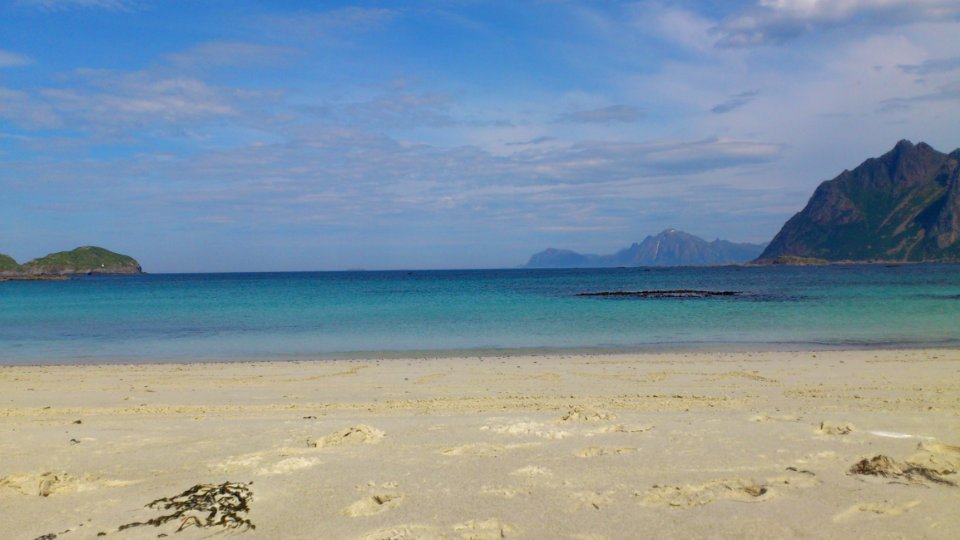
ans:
x=774 y=418
x=489 y=529
x=618 y=428
x=405 y=532
x=579 y=413
x=795 y=478
x=529 y=428
x=881 y=508
x=942 y=458
x=374 y=504
x=351 y=436
x=237 y=463
x=595 y=451
x=51 y=483
x=835 y=428
x=687 y=496
x=289 y=465
x=505 y=492
x=532 y=471
x=592 y=500
x=483 y=449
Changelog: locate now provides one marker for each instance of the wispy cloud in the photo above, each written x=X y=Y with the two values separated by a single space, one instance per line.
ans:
x=12 y=59
x=947 y=92
x=735 y=102
x=331 y=23
x=231 y=53
x=531 y=142
x=390 y=110
x=121 y=103
x=930 y=67
x=773 y=22
x=604 y=115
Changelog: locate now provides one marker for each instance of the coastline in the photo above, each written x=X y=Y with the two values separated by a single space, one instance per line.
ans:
x=558 y=445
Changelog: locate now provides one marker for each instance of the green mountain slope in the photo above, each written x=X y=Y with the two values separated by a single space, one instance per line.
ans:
x=902 y=206
x=83 y=260
x=8 y=264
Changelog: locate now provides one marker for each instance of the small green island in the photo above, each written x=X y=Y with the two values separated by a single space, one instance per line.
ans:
x=85 y=260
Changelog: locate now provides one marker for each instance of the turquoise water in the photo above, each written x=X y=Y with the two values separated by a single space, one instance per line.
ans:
x=185 y=317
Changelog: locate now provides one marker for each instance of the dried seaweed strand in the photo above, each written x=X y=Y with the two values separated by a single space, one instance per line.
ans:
x=224 y=505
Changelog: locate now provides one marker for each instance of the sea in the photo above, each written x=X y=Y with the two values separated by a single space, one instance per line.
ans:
x=317 y=315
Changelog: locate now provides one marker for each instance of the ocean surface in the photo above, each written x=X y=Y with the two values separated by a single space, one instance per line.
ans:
x=215 y=317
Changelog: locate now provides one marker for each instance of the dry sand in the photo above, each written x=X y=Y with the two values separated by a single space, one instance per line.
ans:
x=754 y=445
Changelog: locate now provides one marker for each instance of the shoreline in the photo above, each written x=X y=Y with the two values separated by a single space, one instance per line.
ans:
x=559 y=446
x=493 y=353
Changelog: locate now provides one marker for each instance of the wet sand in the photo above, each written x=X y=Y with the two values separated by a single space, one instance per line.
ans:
x=755 y=445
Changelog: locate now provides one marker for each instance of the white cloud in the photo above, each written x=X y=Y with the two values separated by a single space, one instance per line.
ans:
x=12 y=59
x=231 y=53
x=773 y=22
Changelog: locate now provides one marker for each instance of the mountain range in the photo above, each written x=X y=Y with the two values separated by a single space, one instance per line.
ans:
x=901 y=206
x=669 y=248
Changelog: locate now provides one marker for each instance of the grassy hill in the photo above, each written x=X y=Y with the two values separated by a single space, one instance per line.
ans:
x=7 y=264
x=83 y=260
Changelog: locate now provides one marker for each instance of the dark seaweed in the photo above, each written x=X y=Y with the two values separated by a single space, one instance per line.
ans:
x=225 y=505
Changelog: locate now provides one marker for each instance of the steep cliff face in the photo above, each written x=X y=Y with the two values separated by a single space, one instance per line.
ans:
x=902 y=206
x=669 y=248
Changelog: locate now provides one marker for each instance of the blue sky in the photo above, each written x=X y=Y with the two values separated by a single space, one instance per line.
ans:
x=233 y=135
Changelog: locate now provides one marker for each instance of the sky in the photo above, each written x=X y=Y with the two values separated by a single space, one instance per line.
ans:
x=240 y=135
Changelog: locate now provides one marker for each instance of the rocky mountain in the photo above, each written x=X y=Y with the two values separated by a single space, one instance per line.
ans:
x=669 y=248
x=83 y=260
x=902 y=206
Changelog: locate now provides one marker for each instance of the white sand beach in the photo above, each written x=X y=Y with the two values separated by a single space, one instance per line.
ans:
x=680 y=445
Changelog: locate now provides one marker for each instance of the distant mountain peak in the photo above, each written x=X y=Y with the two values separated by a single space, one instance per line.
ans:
x=670 y=247
x=902 y=206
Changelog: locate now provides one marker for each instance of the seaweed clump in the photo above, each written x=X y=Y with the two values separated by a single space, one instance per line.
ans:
x=204 y=505
x=888 y=467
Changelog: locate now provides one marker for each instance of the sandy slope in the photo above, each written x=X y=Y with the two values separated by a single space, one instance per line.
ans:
x=652 y=446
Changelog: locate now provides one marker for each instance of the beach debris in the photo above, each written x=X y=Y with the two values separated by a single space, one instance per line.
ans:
x=673 y=293
x=78 y=421
x=830 y=428
x=887 y=467
x=353 y=435
x=204 y=505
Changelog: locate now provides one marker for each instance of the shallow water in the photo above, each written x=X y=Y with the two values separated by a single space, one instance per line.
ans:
x=185 y=317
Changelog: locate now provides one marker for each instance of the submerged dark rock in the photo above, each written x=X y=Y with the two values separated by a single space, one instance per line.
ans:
x=675 y=293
